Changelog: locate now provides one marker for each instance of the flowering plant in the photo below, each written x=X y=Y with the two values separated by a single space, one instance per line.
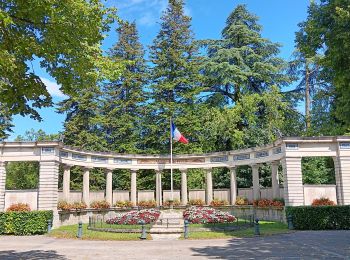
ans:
x=242 y=201
x=176 y=202
x=322 y=202
x=123 y=204
x=134 y=217
x=197 y=215
x=147 y=203
x=265 y=203
x=102 y=204
x=64 y=205
x=196 y=202
x=19 y=207
x=218 y=203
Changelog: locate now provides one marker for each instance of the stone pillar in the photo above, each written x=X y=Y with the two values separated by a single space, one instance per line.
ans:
x=256 y=183
x=109 y=186
x=342 y=178
x=159 y=188
x=48 y=185
x=233 y=185
x=86 y=186
x=293 y=181
x=209 y=184
x=2 y=185
x=133 y=188
x=184 y=198
x=66 y=182
x=275 y=180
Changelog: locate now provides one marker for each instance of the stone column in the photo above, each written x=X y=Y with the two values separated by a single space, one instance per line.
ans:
x=48 y=185
x=256 y=183
x=293 y=181
x=86 y=186
x=342 y=178
x=109 y=186
x=159 y=188
x=209 y=184
x=133 y=188
x=2 y=185
x=275 y=180
x=184 y=198
x=66 y=182
x=233 y=185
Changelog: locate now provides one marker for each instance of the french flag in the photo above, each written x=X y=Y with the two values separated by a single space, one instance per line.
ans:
x=177 y=136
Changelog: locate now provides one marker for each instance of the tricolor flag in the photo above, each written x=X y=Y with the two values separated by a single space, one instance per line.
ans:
x=177 y=136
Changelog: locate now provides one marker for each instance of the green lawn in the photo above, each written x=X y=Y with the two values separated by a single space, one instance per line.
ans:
x=266 y=228
x=240 y=222
x=71 y=232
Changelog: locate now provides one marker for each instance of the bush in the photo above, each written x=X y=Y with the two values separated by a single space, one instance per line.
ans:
x=64 y=205
x=322 y=202
x=102 y=204
x=241 y=201
x=266 y=203
x=19 y=207
x=176 y=203
x=24 y=222
x=320 y=218
x=123 y=204
x=196 y=202
x=147 y=204
x=218 y=203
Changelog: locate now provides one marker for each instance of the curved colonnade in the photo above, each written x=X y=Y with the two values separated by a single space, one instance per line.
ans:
x=286 y=151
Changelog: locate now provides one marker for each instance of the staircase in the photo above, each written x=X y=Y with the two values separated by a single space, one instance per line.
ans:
x=169 y=226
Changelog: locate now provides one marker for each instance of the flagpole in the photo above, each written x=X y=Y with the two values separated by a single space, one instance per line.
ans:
x=171 y=160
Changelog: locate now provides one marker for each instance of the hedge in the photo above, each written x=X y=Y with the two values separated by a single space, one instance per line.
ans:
x=25 y=222
x=320 y=217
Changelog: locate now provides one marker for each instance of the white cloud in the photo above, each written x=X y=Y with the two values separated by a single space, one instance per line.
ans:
x=53 y=88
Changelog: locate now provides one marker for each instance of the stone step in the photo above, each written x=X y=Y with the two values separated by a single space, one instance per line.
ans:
x=166 y=230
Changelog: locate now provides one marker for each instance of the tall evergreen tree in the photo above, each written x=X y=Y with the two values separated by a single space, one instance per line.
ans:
x=124 y=98
x=242 y=61
x=174 y=81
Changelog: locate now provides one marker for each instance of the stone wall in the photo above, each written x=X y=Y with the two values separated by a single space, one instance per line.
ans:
x=265 y=193
x=29 y=197
x=312 y=192
x=196 y=194
x=121 y=195
x=167 y=195
x=145 y=195
x=222 y=194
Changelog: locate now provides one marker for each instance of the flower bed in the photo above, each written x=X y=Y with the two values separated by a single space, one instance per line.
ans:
x=265 y=203
x=64 y=205
x=196 y=215
x=134 y=217
x=19 y=207
x=101 y=204
x=323 y=202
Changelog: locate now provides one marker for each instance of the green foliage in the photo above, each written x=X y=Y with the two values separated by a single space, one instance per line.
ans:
x=174 y=83
x=5 y=122
x=318 y=170
x=326 y=30
x=24 y=223
x=65 y=36
x=242 y=61
x=320 y=218
x=22 y=175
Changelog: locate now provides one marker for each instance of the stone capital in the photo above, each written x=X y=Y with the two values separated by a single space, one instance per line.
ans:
x=183 y=170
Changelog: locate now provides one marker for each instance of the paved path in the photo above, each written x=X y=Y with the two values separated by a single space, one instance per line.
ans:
x=299 y=245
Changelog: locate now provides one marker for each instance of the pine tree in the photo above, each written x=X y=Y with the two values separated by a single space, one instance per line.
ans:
x=124 y=98
x=174 y=82
x=242 y=61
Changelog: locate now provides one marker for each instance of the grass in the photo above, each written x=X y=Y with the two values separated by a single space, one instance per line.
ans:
x=115 y=226
x=240 y=222
x=266 y=228
x=71 y=232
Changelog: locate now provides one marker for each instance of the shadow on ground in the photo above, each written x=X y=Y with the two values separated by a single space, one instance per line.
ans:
x=31 y=255
x=299 y=245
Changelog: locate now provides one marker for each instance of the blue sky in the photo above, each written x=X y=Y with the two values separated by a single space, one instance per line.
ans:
x=279 y=20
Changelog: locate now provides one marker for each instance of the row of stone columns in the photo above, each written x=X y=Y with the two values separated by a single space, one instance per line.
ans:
x=184 y=196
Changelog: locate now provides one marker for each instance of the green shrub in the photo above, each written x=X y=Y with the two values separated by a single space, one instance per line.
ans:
x=25 y=222
x=320 y=218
